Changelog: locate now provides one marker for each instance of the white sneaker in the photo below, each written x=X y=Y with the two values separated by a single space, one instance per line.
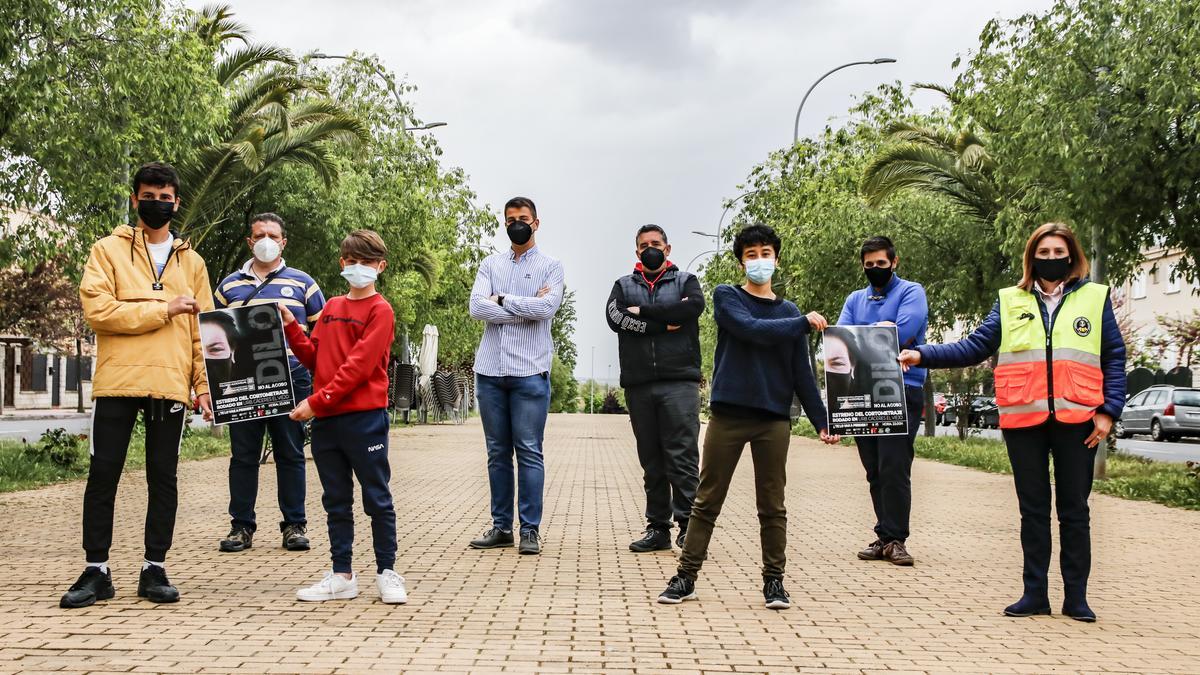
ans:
x=391 y=588
x=332 y=587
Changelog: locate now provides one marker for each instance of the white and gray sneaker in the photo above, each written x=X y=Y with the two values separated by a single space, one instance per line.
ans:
x=332 y=587
x=391 y=588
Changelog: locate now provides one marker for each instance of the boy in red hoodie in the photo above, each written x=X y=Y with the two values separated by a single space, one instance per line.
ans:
x=347 y=354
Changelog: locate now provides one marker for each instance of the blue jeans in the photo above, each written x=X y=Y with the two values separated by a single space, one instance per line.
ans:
x=287 y=444
x=345 y=447
x=514 y=413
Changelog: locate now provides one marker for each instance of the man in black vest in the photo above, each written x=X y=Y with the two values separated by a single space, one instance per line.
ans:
x=655 y=313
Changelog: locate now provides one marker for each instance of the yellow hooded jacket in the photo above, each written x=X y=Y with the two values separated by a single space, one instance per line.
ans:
x=140 y=351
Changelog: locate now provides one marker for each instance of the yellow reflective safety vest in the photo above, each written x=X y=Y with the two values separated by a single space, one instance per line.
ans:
x=1039 y=375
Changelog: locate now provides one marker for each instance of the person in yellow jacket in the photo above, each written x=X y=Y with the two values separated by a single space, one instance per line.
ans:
x=1060 y=383
x=142 y=288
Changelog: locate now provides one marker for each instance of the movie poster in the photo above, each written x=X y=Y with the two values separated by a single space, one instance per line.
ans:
x=246 y=359
x=864 y=384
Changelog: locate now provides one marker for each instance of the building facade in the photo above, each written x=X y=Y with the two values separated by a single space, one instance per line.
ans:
x=1156 y=292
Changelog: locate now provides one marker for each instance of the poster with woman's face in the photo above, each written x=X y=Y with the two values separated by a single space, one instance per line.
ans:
x=864 y=385
x=246 y=360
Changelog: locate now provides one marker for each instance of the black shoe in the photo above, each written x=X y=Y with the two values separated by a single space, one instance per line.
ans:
x=530 y=544
x=1029 y=606
x=154 y=586
x=678 y=590
x=494 y=538
x=239 y=539
x=1078 y=610
x=681 y=537
x=91 y=586
x=655 y=539
x=773 y=592
x=293 y=537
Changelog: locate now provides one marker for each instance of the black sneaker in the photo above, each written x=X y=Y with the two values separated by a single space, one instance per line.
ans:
x=239 y=539
x=678 y=589
x=530 y=543
x=681 y=537
x=91 y=586
x=494 y=538
x=154 y=586
x=293 y=537
x=773 y=592
x=655 y=539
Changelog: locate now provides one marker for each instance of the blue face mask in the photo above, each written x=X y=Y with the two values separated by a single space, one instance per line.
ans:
x=760 y=270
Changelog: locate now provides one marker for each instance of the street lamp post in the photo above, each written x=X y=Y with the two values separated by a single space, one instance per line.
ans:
x=796 y=127
x=391 y=84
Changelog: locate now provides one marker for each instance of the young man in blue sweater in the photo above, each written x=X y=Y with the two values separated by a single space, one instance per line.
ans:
x=889 y=300
x=761 y=361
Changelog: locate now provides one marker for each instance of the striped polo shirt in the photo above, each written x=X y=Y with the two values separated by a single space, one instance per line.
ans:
x=283 y=285
x=516 y=337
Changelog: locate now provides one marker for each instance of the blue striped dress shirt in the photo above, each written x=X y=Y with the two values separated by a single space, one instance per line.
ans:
x=516 y=337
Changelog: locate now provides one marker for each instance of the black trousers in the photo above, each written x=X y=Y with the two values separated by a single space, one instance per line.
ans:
x=666 y=424
x=888 y=461
x=1030 y=451
x=113 y=419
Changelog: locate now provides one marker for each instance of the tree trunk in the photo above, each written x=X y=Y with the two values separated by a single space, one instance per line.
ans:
x=79 y=374
x=930 y=408
x=1099 y=274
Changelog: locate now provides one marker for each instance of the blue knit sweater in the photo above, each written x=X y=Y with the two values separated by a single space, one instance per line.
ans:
x=762 y=356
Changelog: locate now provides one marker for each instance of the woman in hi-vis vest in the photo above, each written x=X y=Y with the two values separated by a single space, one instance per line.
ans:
x=1060 y=383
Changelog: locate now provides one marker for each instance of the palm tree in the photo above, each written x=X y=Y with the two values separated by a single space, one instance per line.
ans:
x=276 y=116
x=938 y=162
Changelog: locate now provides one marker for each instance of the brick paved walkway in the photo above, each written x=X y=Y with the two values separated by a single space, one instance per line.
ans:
x=586 y=604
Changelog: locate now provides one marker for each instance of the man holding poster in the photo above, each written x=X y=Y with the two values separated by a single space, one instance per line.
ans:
x=264 y=282
x=887 y=455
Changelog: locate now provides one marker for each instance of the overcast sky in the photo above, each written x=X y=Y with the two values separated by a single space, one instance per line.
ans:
x=612 y=114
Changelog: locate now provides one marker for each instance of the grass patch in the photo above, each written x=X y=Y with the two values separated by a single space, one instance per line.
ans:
x=1129 y=476
x=60 y=456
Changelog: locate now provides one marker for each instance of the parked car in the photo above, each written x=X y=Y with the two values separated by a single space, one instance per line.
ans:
x=1165 y=412
x=985 y=414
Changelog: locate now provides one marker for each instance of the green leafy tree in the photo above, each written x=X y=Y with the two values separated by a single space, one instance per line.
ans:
x=276 y=116
x=88 y=91
x=564 y=387
x=1091 y=113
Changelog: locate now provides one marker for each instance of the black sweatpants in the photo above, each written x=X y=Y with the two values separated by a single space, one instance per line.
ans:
x=113 y=419
x=1030 y=451
x=666 y=424
x=888 y=461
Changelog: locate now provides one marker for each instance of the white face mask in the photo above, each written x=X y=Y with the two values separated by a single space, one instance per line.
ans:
x=760 y=270
x=267 y=250
x=359 y=276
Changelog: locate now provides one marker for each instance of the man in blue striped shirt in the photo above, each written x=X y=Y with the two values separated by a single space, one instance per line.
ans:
x=517 y=293
x=266 y=279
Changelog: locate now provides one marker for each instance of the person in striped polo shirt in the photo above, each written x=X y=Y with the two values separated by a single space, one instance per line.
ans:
x=516 y=294
x=266 y=279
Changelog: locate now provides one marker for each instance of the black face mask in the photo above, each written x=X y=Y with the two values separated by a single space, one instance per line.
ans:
x=220 y=371
x=652 y=258
x=878 y=276
x=154 y=213
x=519 y=232
x=1052 y=269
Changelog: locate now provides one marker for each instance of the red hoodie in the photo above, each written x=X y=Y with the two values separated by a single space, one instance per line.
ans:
x=347 y=354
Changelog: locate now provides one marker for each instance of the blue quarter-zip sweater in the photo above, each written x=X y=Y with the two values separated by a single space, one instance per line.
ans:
x=901 y=302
